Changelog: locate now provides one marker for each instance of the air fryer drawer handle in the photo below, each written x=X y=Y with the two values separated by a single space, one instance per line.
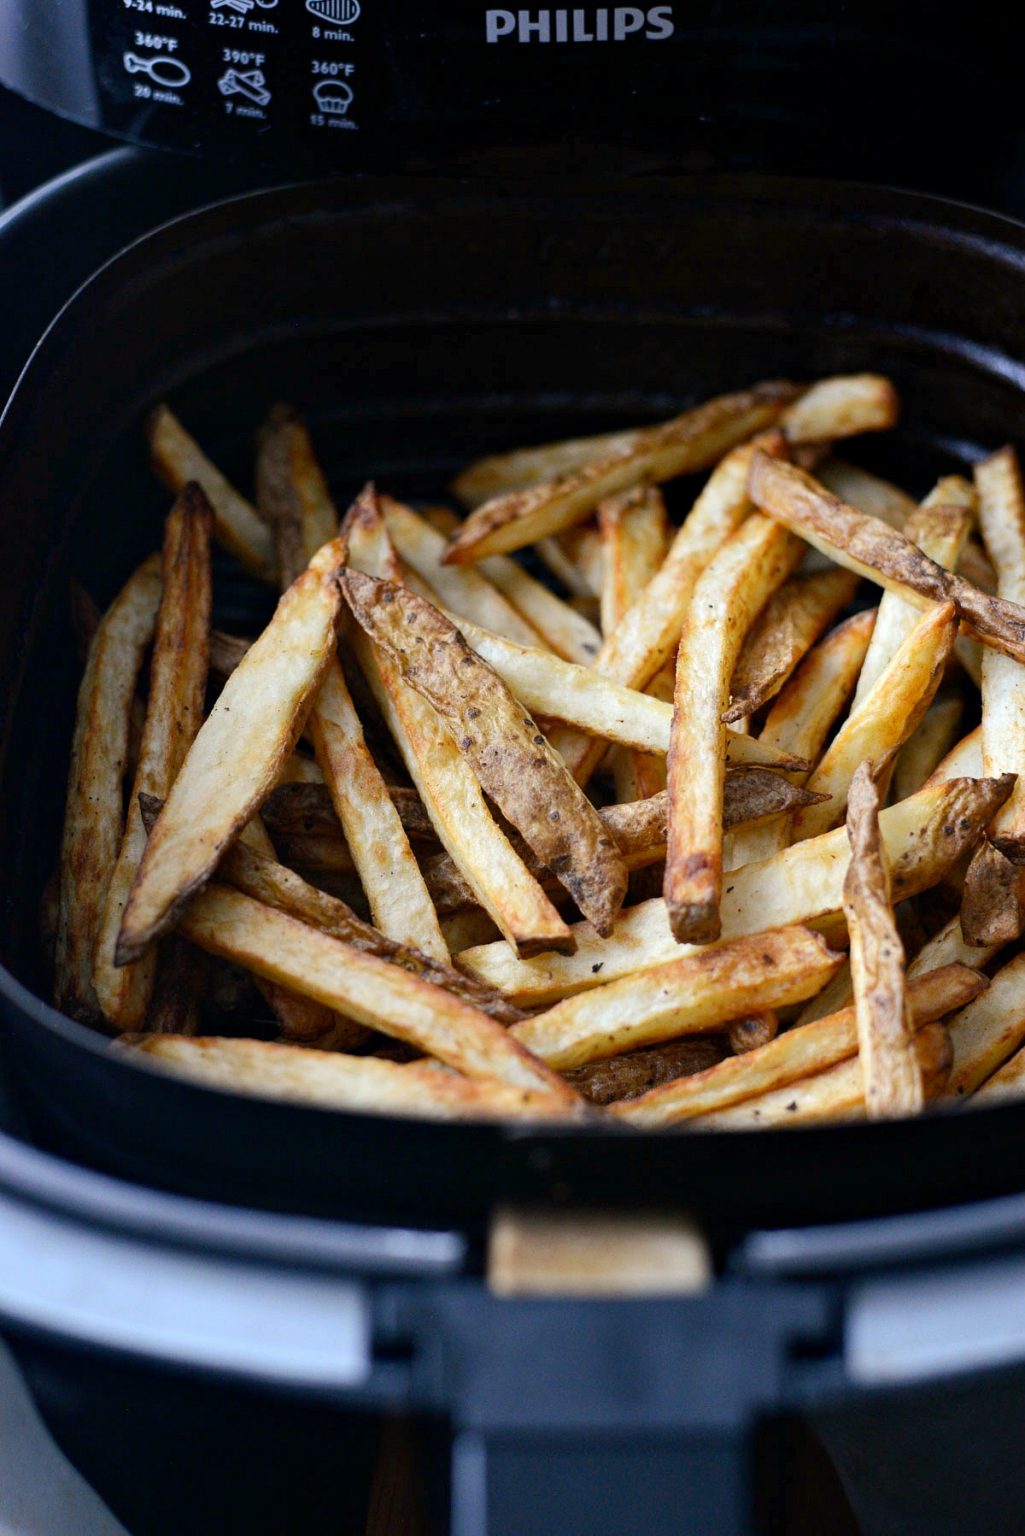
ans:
x=282 y=1326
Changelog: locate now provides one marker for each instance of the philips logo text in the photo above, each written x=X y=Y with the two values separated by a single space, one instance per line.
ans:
x=598 y=26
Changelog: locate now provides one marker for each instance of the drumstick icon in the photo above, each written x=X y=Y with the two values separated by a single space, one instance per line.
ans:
x=161 y=70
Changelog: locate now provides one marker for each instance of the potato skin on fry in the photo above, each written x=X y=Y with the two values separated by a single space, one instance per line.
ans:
x=508 y=753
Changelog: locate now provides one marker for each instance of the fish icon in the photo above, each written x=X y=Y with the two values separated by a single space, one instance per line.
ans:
x=340 y=12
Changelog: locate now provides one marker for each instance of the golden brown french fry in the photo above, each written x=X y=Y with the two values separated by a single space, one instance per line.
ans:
x=178 y=458
x=739 y=580
x=466 y=592
x=962 y=761
x=235 y=760
x=626 y=1077
x=447 y=785
x=93 y=816
x=924 y=836
x=561 y=690
x=700 y=991
x=362 y=986
x=265 y=880
x=786 y=629
x=292 y=494
x=645 y=638
x=891 y=1077
x=923 y=752
x=989 y=1030
x=886 y=718
x=990 y=903
x=836 y=1094
x=359 y=1083
x=558 y=555
x=867 y=492
x=1008 y=1082
x=796 y=1054
x=752 y=1030
x=524 y=467
x=509 y=755
x=1002 y=524
x=870 y=547
x=562 y=628
x=939 y=527
x=688 y=443
x=843 y=406
x=947 y=947
x=177 y=689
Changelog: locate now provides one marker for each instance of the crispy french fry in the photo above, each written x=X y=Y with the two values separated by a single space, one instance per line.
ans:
x=868 y=546
x=547 y=685
x=647 y=635
x=359 y=1083
x=740 y=578
x=891 y=1077
x=887 y=716
x=858 y=488
x=93 y=813
x=988 y=1031
x=448 y=787
x=843 y=406
x=1008 y=1082
x=688 y=443
x=178 y=458
x=939 y=527
x=962 y=761
x=752 y=1030
x=796 y=1054
x=836 y=1094
x=555 y=553
x=304 y=805
x=785 y=630
x=177 y=688
x=1002 y=523
x=700 y=991
x=236 y=757
x=292 y=494
x=924 y=837
x=990 y=903
x=525 y=467
x=467 y=592
x=507 y=752
x=947 y=947
x=626 y=1077
x=976 y=565
x=175 y=1005
x=923 y=752
x=362 y=986
x=562 y=628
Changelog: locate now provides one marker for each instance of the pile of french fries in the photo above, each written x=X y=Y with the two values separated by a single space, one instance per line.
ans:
x=720 y=824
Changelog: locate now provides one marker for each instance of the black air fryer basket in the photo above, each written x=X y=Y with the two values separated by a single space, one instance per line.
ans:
x=416 y=327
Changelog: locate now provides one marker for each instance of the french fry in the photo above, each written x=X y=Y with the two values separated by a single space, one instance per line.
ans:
x=639 y=829
x=836 y=1094
x=923 y=752
x=237 y=755
x=990 y=900
x=562 y=629
x=867 y=546
x=786 y=629
x=178 y=458
x=448 y=787
x=888 y=715
x=362 y=986
x=560 y=690
x=292 y=494
x=752 y=1030
x=858 y=488
x=700 y=991
x=647 y=635
x=924 y=837
x=93 y=815
x=947 y=947
x=175 y=1005
x=843 y=406
x=977 y=567
x=740 y=578
x=525 y=467
x=939 y=527
x=1008 y=1082
x=627 y=1077
x=507 y=752
x=796 y=1054
x=890 y=1072
x=467 y=592
x=688 y=443
x=962 y=761
x=177 y=687
x=988 y=1031
x=304 y=805
x=558 y=555
x=329 y=1081
x=1002 y=523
